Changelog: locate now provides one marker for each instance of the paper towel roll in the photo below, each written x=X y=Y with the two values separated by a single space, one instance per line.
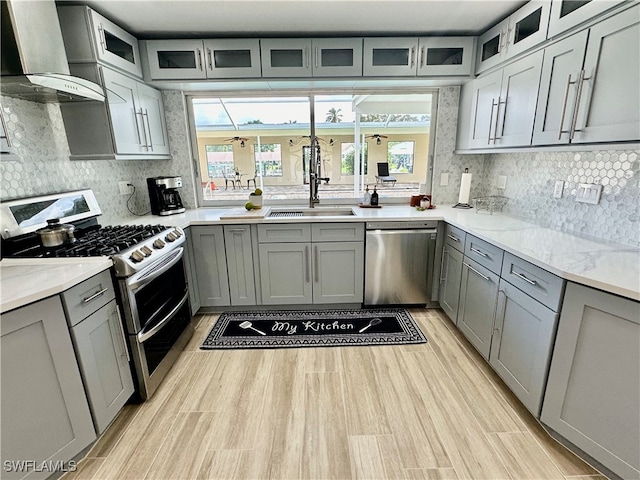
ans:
x=465 y=188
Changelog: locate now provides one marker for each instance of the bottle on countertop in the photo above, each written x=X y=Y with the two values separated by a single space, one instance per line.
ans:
x=367 y=197
x=374 y=197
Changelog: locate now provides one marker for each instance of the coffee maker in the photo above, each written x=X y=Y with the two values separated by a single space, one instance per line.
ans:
x=164 y=196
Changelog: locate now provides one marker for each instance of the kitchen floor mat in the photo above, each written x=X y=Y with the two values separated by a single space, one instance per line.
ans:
x=313 y=328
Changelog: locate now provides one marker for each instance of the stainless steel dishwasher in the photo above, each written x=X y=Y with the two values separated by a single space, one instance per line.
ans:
x=399 y=259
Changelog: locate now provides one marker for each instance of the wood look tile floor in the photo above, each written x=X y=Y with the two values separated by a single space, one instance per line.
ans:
x=428 y=411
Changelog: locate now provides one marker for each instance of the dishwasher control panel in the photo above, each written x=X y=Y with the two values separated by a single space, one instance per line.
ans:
x=400 y=225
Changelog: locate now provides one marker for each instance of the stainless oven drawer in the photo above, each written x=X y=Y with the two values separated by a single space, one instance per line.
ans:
x=87 y=297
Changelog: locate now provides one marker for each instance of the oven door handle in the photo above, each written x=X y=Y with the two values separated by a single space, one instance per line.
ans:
x=147 y=275
x=144 y=336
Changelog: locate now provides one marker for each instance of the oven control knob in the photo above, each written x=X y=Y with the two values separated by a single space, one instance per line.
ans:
x=146 y=251
x=158 y=244
x=177 y=233
x=136 y=256
x=170 y=237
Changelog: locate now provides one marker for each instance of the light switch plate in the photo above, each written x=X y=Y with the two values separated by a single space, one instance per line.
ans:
x=502 y=182
x=559 y=187
x=444 y=179
x=589 y=193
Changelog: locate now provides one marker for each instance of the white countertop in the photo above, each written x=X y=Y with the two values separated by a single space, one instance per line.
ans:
x=608 y=266
x=23 y=281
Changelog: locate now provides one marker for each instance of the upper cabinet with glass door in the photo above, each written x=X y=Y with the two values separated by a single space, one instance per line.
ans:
x=198 y=59
x=410 y=56
x=522 y=30
x=90 y=37
x=566 y=14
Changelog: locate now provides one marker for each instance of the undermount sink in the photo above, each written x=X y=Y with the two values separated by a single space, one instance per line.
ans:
x=312 y=212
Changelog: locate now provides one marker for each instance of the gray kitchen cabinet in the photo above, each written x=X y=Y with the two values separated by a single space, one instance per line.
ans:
x=90 y=37
x=130 y=125
x=522 y=30
x=45 y=414
x=411 y=56
x=104 y=362
x=323 y=264
x=566 y=14
x=338 y=272
x=589 y=86
x=593 y=391
x=521 y=344
x=450 y=279
x=477 y=309
x=503 y=105
x=190 y=270
x=211 y=266
x=337 y=57
x=239 y=255
x=285 y=273
x=286 y=57
x=100 y=346
x=608 y=93
x=196 y=59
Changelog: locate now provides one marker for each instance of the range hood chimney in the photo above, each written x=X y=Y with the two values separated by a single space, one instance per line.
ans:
x=34 y=62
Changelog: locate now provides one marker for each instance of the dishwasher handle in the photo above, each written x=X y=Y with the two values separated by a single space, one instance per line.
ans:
x=408 y=231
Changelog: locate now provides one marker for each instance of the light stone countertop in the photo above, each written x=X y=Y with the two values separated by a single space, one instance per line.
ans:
x=26 y=280
x=608 y=266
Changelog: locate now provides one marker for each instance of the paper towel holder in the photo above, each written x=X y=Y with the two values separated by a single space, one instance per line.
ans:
x=465 y=184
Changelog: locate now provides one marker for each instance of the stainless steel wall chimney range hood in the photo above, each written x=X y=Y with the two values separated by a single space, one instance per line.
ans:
x=34 y=62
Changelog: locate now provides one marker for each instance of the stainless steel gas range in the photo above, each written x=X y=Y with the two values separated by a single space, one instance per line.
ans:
x=148 y=269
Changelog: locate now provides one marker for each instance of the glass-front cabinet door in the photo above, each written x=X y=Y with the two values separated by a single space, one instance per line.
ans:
x=390 y=56
x=445 y=56
x=566 y=14
x=232 y=58
x=286 y=57
x=337 y=57
x=115 y=46
x=491 y=46
x=174 y=59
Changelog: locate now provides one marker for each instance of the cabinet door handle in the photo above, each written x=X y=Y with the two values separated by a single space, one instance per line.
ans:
x=145 y=115
x=103 y=39
x=94 y=296
x=136 y=113
x=124 y=337
x=479 y=252
x=144 y=130
x=308 y=264
x=519 y=275
x=422 y=57
x=504 y=118
x=453 y=237
x=316 y=264
x=493 y=105
x=564 y=107
x=4 y=128
x=574 y=120
x=413 y=60
x=316 y=57
x=499 y=321
x=210 y=59
x=199 y=59
x=495 y=130
x=477 y=272
x=442 y=270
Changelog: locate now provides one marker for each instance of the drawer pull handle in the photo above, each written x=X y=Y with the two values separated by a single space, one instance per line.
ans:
x=477 y=272
x=519 y=275
x=94 y=296
x=479 y=252
x=455 y=239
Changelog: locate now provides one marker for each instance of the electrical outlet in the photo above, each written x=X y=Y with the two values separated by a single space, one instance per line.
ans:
x=444 y=179
x=557 y=190
x=589 y=193
x=124 y=187
x=502 y=182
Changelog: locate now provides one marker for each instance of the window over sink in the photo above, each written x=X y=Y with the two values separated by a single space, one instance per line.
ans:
x=268 y=138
